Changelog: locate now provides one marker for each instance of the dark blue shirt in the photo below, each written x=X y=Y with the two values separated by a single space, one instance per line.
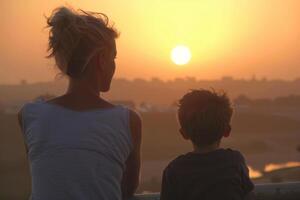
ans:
x=220 y=174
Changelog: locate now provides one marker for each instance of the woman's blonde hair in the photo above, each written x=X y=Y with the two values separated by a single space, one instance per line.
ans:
x=75 y=36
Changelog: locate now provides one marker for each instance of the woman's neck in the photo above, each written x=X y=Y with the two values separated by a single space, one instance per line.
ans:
x=78 y=88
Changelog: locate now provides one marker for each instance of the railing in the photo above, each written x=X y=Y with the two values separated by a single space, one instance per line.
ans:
x=269 y=191
x=278 y=191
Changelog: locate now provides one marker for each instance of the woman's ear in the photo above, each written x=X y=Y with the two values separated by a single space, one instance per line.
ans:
x=183 y=134
x=227 y=131
x=100 y=61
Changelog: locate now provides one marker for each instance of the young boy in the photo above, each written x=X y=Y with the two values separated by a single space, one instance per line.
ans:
x=208 y=172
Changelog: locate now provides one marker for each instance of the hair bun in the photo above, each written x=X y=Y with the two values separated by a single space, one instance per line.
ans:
x=61 y=18
x=73 y=37
x=63 y=34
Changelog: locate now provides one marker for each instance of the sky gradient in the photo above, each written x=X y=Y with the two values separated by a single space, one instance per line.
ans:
x=239 y=38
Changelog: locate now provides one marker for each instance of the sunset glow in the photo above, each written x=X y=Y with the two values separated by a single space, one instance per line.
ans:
x=181 y=55
x=226 y=38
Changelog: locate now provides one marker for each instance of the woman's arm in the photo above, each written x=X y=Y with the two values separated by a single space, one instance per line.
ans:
x=131 y=176
x=20 y=120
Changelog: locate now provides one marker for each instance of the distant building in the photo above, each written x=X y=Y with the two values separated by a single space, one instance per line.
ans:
x=227 y=78
x=147 y=107
x=128 y=104
x=23 y=82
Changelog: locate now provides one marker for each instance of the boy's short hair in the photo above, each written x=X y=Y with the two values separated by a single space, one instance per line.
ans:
x=204 y=115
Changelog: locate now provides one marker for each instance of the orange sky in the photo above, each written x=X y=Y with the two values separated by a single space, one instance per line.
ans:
x=226 y=37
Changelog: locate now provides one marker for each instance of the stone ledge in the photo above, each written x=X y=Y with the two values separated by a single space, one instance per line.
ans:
x=268 y=191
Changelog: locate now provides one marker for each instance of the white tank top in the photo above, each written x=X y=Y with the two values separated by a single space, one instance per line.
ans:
x=76 y=155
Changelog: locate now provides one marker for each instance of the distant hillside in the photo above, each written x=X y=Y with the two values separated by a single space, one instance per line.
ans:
x=14 y=94
x=264 y=123
x=140 y=90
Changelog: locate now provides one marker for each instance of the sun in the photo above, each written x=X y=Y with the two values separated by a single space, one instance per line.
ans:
x=181 y=55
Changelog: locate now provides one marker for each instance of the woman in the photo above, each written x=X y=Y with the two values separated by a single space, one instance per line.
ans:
x=79 y=145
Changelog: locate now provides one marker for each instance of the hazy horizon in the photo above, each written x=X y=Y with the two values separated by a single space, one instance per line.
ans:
x=58 y=78
x=226 y=38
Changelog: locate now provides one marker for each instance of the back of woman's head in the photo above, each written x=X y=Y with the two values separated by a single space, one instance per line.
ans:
x=75 y=36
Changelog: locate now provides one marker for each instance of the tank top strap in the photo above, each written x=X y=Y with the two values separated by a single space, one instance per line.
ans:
x=29 y=112
x=125 y=117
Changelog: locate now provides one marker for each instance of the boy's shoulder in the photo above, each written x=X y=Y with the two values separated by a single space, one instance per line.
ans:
x=233 y=155
x=190 y=158
x=238 y=156
x=175 y=164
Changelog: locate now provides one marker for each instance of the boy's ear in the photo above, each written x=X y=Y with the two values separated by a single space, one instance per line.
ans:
x=227 y=132
x=183 y=134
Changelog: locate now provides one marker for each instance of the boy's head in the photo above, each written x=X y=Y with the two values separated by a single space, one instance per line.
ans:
x=204 y=116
